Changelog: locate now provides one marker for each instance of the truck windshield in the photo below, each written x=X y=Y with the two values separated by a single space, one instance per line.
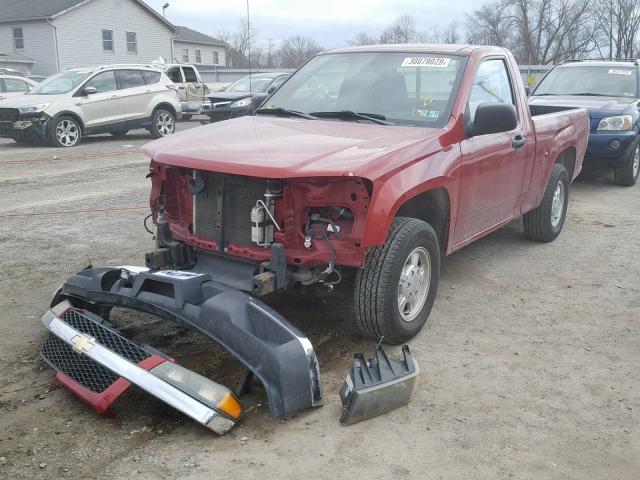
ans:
x=412 y=89
x=590 y=80
x=62 y=82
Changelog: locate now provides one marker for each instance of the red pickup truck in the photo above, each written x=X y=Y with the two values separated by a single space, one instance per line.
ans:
x=380 y=159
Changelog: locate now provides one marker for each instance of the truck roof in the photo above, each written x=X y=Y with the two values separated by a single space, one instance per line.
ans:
x=444 y=49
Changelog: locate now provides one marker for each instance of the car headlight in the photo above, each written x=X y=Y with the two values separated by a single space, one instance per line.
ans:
x=245 y=102
x=620 y=122
x=34 y=108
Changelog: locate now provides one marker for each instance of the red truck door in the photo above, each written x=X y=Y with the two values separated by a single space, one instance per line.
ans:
x=493 y=165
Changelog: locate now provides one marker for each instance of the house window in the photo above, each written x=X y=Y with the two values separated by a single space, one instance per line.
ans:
x=18 y=38
x=132 y=42
x=107 y=40
x=198 y=56
x=216 y=59
x=185 y=54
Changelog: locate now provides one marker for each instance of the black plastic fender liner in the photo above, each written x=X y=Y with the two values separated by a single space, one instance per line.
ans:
x=265 y=342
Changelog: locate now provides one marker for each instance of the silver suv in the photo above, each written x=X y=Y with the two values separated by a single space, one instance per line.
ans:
x=83 y=101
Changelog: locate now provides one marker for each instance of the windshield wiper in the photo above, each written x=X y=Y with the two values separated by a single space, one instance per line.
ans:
x=283 y=112
x=351 y=115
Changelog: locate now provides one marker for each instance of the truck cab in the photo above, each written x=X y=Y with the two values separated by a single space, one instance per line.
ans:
x=610 y=91
x=191 y=88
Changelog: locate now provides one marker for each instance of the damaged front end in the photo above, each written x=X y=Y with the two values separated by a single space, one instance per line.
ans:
x=97 y=363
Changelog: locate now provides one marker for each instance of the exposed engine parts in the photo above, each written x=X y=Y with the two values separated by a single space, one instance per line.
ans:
x=262 y=216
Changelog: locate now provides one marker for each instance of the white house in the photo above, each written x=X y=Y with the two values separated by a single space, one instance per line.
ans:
x=58 y=34
x=191 y=46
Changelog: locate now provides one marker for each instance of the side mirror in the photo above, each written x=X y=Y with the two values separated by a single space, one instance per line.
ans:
x=527 y=90
x=492 y=118
x=271 y=90
x=89 y=90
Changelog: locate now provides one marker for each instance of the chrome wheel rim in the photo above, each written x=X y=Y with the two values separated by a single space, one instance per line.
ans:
x=636 y=162
x=414 y=284
x=67 y=133
x=164 y=124
x=557 y=205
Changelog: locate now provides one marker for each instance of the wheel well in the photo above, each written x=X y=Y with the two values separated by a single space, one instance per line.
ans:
x=167 y=106
x=72 y=115
x=432 y=207
x=568 y=159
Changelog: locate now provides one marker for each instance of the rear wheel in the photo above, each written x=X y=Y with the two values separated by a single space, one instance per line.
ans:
x=626 y=175
x=64 y=131
x=395 y=291
x=545 y=223
x=163 y=123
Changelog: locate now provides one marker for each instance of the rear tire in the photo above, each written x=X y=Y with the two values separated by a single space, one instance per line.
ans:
x=163 y=123
x=395 y=291
x=64 y=132
x=626 y=175
x=544 y=224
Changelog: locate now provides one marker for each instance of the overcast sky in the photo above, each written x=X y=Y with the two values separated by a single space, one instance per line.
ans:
x=330 y=22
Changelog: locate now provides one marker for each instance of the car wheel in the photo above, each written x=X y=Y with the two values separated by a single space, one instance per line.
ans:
x=545 y=223
x=395 y=291
x=163 y=123
x=64 y=131
x=121 y=133
x=186 y=117
x=626 y=175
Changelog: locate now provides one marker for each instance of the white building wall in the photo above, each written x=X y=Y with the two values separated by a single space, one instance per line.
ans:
x=39 y=44
x=207 y=53
x=80 y=34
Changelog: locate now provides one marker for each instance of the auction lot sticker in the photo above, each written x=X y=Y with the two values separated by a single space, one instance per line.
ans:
x=438 y=62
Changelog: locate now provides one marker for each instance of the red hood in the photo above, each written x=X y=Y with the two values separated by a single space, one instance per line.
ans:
x=286 y=147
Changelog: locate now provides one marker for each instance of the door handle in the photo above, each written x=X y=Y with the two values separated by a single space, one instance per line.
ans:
x=181 y=88
x=518 y=142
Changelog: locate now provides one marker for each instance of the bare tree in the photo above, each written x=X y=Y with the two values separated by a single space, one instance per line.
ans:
x=619 y=23
x=239 y=43
x=490 y=25
x=363 y=38
x=294 y=51
x=402 y=30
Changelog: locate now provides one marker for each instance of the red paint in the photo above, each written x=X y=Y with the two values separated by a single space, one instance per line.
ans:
x=102 y=401
x=487 y=182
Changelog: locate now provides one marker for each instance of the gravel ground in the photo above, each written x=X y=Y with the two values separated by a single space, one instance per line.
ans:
x=529 y=363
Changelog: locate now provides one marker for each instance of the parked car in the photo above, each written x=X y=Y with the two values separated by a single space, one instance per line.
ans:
x=191 y=88
x=83 y=101
x=405 y=154
x=11 y=86
x=610 y=91
x=243 y=96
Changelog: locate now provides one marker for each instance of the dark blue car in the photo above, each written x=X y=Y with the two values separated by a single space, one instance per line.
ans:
x=610 y=91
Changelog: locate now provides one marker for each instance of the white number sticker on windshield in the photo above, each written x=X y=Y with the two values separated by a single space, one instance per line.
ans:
x=425 y=62
x=614 y=71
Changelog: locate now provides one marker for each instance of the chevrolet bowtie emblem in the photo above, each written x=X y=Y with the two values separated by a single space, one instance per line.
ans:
x=82 y=343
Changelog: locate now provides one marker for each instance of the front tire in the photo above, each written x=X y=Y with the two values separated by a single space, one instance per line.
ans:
x=545 y=223
x=626 y=175
x=163 y=123
x=395 y=291
x=64 y=132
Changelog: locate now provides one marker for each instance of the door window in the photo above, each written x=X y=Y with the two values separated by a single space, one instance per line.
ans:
x=490 y=85
x=15 y=85
x=103 y=82
x=130 y=79
x=151 y=77
x=189 y=75
x=174 y=75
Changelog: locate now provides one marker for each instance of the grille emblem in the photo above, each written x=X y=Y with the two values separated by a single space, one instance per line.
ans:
x=82 y=343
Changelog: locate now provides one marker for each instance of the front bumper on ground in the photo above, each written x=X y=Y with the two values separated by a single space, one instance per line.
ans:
x=280 y=356
x=610 y=147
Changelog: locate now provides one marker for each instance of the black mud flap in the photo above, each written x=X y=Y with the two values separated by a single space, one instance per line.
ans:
x=377 y=385
x=277 y=353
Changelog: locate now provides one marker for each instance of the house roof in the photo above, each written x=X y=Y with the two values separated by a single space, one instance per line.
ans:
x=21 y=10
x=185 y=34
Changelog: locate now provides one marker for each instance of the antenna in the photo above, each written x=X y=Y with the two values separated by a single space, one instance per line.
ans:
x=249 y=46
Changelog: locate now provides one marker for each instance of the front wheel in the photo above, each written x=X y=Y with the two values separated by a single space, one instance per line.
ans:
x=163 y=123
x=395 y=291
x=545 y=223
x=65 y=132
x=626 y=175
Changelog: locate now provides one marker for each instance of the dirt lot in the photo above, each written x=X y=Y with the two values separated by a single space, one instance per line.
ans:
x=529 y=362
